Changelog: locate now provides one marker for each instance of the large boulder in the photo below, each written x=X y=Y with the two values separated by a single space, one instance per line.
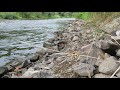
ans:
x=92 y=52
x=108 y=66
x=83 y=69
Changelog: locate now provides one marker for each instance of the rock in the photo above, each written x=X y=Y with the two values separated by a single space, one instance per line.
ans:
x=107 y=55
x=91 y=51
x=34 y=58
x=103 y=44
x=108 y=66
x=6 y=76
x=61 y=45
x=25 y=63
x=83 y=69
x=11 y=65
x=99 y=61
x=29 y=73
x=75 y=38
x=115 y=37
x=118 y=52
x=41 y=51
x=43 y=74
x=100 y=75
x=118 y=74
x=51 y=40
x=51 y=51
x=3 y=71
x=48 y=45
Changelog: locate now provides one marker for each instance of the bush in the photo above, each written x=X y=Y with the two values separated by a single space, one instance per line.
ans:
x=9 y=16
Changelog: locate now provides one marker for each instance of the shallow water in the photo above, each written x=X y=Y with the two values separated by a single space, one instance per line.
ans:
x=21 y=38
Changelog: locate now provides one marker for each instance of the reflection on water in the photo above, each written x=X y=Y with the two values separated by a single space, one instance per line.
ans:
x=20 y=38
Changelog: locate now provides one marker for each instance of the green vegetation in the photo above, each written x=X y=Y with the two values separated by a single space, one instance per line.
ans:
x=43 y=15
x=95 y=17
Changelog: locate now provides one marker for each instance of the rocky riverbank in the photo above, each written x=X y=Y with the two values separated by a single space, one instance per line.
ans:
x=79 y=51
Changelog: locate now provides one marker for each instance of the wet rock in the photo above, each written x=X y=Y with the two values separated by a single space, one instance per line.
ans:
x=26 y=63
x=3 y=70
x=6 y=76
x=100 y=75
x=34 y=58
x=108 y=66
x=48 y=45
x=11 y=65
x=83 y=69
x=51 y=40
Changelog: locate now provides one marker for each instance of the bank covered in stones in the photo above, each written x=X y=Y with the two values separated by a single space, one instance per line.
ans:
x=78 y=51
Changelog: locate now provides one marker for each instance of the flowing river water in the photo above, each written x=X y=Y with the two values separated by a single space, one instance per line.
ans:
x=21 y=38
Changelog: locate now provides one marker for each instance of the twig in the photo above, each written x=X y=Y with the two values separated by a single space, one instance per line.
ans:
x=89 y=51
x=115 y=72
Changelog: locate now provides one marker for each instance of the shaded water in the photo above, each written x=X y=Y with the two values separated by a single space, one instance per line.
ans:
x=21 y=38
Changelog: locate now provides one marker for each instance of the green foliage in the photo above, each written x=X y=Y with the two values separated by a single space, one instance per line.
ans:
x=94 y=16
x=82 y=15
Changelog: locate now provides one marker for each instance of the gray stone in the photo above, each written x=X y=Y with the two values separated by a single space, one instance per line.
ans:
x=100 y=75
x=75 y=38
x=51 y=40
x=25 y=63
x=103 y=44
x=118 y=74
x=48 y=45
x=34 y=58
x=43 y=74
x=6 y=76
x=118 y=52
x=83 y=69
x=99 y=61
x=11 y=65
x=3 y=70
x=29 y=73
x=108 y=66
x=41 y=51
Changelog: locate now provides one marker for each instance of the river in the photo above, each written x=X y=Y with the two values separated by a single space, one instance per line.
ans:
x=21 y=38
